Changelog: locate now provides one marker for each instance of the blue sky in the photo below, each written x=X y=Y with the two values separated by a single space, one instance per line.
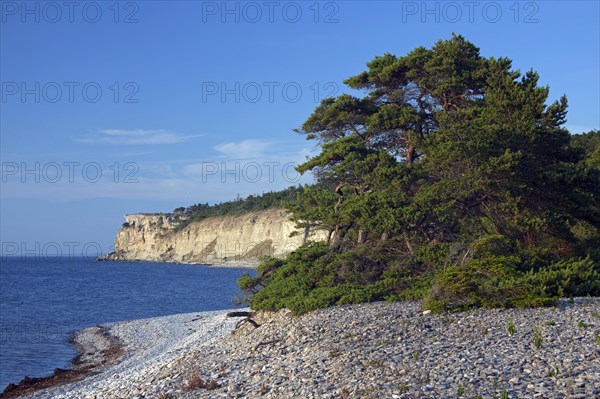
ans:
x=150 y=105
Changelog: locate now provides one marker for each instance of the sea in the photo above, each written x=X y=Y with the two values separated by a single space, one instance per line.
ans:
x=44 y=301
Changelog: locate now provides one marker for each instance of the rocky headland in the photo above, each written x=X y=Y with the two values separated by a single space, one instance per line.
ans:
x=234 y=239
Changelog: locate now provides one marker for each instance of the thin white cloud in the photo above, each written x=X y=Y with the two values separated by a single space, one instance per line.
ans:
x=133 y=137
x=243 y=149
x=130 y=154
x=197 y=169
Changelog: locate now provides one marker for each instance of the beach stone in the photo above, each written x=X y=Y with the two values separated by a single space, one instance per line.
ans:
x=370 y=350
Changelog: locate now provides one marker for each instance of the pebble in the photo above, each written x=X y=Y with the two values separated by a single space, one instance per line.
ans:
x=378 y=350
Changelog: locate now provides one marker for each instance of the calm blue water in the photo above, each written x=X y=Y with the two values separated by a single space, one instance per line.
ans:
x=43 y=302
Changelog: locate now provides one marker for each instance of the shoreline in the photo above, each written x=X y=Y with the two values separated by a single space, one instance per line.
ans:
x=375 y=349
x=229 y=264
x=112 y=349
x=96 y=349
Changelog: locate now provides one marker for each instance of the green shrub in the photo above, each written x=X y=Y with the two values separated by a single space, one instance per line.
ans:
x=312 y=277
x=567 y=277
x=510 y=326
x=490 y=282
x=537 y=337
x=491 y=245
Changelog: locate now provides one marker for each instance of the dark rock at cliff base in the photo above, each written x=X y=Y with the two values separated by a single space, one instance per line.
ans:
x=25 y=383
x=9 y=388
x=108 y=256
x=58 y=372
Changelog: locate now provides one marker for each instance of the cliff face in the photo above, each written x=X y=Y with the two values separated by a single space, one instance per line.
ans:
x=246 y=238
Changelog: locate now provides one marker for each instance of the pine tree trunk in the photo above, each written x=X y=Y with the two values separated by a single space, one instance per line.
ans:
x=362 y=236
x=410 y=154
x=335 y=238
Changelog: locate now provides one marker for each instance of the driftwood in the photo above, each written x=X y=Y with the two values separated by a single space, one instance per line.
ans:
x=261 y=343
x=247 y=318
x=240 y=314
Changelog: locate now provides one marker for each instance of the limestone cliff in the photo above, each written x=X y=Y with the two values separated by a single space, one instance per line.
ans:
x=246 y=238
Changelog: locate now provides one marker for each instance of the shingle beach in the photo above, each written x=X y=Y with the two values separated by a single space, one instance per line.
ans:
x=378 y=350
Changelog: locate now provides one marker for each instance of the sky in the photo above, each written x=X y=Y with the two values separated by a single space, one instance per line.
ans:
x=109 y=108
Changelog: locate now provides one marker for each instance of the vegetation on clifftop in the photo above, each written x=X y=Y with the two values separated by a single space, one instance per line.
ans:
x=451 y=180
x=273 y=199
